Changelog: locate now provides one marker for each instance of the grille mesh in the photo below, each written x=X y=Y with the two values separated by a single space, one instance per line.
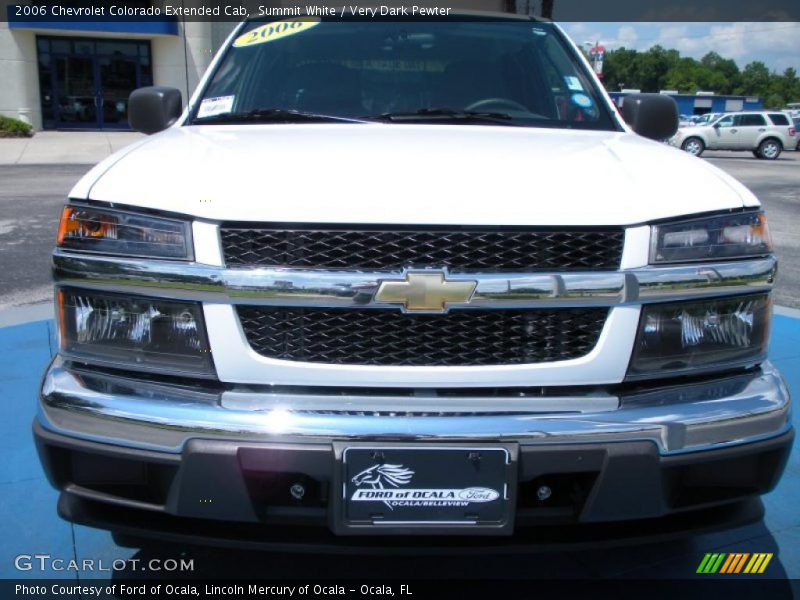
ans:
x=391 y=338
x=459 y=250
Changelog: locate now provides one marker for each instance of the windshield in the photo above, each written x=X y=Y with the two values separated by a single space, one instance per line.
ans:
x=483 y=72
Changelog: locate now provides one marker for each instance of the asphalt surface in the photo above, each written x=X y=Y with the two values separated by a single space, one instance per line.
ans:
x=31 y=197
x=777 y=185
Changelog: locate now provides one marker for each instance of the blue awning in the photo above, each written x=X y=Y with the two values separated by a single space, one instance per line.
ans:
x=159 y=25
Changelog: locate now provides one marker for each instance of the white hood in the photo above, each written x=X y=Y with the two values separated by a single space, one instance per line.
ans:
x=411 y=174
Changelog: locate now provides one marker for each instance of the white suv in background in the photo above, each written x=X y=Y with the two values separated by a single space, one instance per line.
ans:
x=765 y=134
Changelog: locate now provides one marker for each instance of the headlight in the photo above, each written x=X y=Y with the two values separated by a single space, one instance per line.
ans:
x=710 y=334
x=730 y=236
x=123 y=233
x=134 y=333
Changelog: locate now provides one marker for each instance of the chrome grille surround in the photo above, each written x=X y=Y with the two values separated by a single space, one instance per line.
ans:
x=299 y=287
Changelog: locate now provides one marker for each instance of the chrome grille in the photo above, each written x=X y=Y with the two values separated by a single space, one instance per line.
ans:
x=460 y=250
x=392 y=338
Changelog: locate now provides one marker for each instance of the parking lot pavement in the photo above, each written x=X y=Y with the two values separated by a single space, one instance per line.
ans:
x=777 y=185
x=790 y=157
x=30 y=524
x=64 y=147
x=31 y=198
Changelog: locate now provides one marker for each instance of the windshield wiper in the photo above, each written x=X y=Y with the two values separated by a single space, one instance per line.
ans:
x=271 y=115
x=446 y=114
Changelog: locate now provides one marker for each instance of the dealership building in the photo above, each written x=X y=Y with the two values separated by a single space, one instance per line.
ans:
x=702 y=102
x=73 y=75
x=78 y=75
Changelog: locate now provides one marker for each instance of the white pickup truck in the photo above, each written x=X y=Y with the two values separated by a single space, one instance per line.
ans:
x=407 y=277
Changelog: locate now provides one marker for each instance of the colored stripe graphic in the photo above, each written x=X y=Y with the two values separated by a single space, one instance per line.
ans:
x=764 y=564
x=758 y=563
x=711 y=563
x=727 y=564
x=741 y=562
x=734 y=563
x=703 y=564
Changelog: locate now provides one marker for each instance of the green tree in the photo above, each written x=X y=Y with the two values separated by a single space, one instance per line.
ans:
x=755 y=79
x=685 y=76
x=618 y=69
x=726 y=69
x=653 y=66
x=658 y=69
x=788 y=85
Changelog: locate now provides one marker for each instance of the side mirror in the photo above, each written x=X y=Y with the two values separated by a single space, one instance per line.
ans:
x=653 y=116
x=716 y=125
x=153 y=109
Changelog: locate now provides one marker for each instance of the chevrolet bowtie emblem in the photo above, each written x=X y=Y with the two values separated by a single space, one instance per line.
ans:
x=425 y=292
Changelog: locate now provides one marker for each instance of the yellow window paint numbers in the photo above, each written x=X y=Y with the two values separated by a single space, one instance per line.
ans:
x=276 y=30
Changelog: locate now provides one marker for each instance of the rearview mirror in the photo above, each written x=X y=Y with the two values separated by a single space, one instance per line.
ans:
x=653 y=116
x=153 y=109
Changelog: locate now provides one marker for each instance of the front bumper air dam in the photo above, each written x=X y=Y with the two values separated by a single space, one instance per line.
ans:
x=184 y=462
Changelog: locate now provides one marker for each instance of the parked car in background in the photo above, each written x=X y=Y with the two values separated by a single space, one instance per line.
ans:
x=765 y=134
x=796 y=121
x=708 y=118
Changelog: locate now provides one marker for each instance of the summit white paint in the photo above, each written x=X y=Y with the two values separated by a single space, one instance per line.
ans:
x=411 y=174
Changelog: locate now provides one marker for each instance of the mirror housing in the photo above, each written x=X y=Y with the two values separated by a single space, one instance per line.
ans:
x=653 y=116
x=153 y=109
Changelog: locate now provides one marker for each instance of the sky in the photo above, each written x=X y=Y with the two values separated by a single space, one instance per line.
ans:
x=776 y=44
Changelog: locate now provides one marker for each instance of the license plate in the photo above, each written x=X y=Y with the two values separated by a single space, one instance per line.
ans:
x=455 y=489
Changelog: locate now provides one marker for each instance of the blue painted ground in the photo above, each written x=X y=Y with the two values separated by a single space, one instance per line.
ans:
x=30 y=525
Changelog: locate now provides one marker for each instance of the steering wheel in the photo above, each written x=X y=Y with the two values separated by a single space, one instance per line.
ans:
x=486 y=103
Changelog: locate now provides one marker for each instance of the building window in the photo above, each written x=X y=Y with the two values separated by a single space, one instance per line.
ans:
x=85 y=83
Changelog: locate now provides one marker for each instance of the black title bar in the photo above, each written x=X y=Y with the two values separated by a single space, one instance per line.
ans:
x=480 y=589
x=72 y=11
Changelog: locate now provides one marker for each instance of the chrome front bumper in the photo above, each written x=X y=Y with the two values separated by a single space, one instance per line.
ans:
x=129 y=412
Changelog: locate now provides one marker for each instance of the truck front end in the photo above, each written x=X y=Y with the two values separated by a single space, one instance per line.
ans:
x=320 y=317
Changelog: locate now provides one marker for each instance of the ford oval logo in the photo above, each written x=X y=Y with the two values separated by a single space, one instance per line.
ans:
x=478 y=494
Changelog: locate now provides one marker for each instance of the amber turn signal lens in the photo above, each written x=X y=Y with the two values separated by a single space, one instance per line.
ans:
x=60 y=300
x=66 y=225
x=123 y=233
x=76 y=223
